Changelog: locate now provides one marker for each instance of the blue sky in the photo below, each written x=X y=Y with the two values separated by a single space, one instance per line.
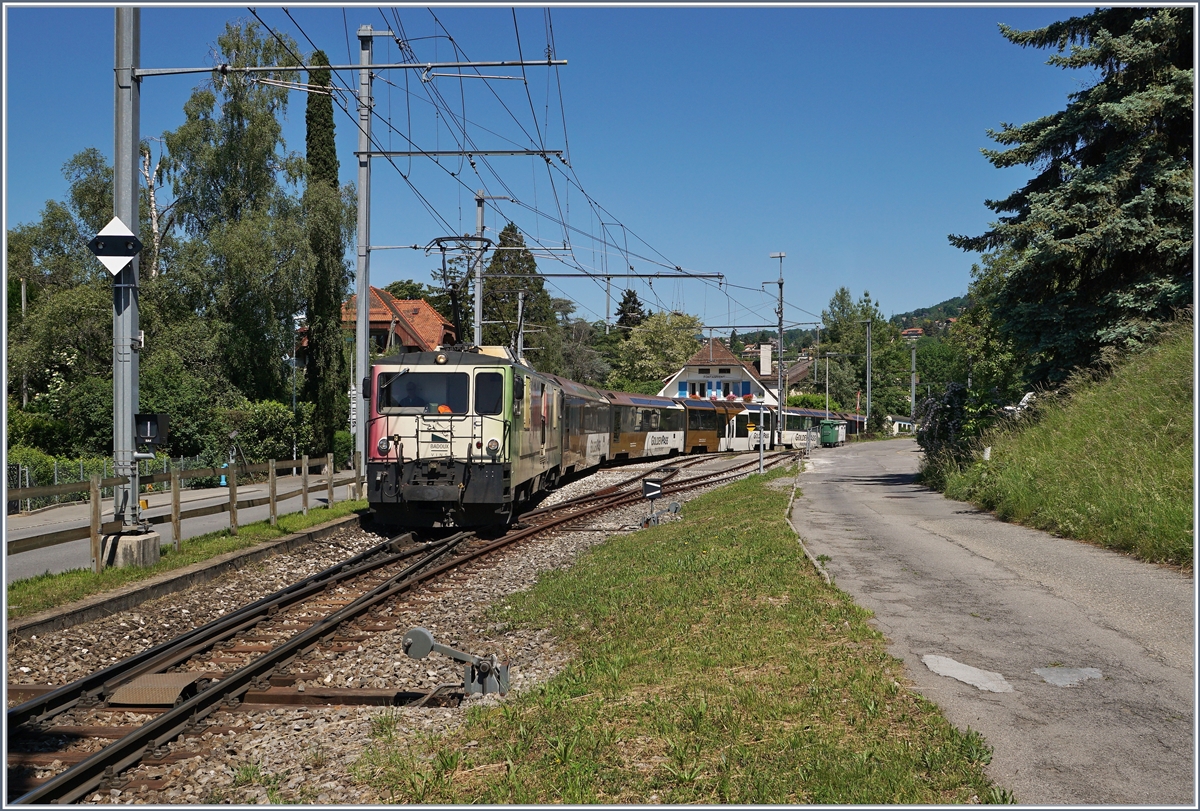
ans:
x=847 y=137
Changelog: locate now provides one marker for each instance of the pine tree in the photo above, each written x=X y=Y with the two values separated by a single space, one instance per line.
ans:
x=510 y=272
x=325 y=379
x=1099 y=243
x=630 y=312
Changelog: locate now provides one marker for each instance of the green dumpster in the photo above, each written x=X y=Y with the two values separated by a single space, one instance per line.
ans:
x=833 y=433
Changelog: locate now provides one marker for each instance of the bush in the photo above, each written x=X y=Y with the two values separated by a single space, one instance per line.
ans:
x=40 y=464
x=31 y=429
x=265 y=430
x=343 y=448
x=812 y=400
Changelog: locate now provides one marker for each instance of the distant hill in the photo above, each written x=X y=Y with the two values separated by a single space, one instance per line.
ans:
x=950 y=308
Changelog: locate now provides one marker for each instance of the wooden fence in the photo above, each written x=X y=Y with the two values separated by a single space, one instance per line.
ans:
x=97 y=530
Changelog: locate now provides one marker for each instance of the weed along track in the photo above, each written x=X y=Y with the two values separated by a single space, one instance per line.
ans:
x=259 y=698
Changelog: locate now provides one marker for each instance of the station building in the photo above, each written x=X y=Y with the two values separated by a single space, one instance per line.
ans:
x=715 y=373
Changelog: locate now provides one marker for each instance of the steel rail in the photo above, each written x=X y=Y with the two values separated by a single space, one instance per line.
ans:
x=90 y=773
x=166 y=654
x=611 y=489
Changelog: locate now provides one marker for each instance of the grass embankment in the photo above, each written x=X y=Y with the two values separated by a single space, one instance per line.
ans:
x=714 y=666
x=1110 y=464
x=47 y=591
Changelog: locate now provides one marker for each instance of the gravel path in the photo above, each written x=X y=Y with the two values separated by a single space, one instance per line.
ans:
x=304 y=754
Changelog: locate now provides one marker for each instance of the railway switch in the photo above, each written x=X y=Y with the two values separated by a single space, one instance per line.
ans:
x=481 y=675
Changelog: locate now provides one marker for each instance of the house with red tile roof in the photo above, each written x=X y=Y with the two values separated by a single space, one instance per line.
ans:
x=400 y=325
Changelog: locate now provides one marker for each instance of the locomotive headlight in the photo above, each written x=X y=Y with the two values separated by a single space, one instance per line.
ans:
x=384 y=445
x=440 y=359
x=493 y=447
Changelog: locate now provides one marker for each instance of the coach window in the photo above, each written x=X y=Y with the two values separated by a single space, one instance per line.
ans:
x=489 y=393
x=671 y=420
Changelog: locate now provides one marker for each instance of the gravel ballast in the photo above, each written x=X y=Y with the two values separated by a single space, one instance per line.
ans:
x=304 y=754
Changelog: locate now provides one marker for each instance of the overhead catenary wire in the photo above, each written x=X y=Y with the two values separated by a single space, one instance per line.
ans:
x=459 y=128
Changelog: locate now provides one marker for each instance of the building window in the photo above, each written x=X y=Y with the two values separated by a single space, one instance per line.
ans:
x=723 y=371
x=705 y=371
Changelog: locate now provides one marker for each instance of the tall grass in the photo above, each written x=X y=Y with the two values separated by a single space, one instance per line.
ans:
x=715 y=666
x=1109 y=463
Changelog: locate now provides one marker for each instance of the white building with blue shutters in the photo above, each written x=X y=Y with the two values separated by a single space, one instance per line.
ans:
x=714 y=373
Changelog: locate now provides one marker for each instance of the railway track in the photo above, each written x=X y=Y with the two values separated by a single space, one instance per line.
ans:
x=243 y=658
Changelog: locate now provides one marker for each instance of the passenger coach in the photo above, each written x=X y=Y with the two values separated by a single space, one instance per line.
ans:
x=645 y=425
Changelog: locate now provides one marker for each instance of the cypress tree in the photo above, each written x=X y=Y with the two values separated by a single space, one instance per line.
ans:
x=325 y=378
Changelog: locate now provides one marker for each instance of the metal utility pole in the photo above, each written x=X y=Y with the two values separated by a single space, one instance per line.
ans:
x=520 y=325
x=817 y=353
x=607 y=301
x=24 y=381
x=362 y=284
x=126 y=343
x=478 y=322
x=912 y=398
x=867 y=321
x=479 y=198
x=781 y=394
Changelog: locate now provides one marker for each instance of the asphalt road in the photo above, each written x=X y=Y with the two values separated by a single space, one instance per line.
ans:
x=78 y=555
x=1075 y=663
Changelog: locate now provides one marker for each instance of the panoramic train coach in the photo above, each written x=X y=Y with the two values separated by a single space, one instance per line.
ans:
x=459 y=438
x=750 y=426
x=708 y=424
x=644 y=425
x=587 y=421
x=799 y=429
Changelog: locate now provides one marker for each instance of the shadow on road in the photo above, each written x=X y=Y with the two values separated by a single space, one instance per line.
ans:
x=882 y=480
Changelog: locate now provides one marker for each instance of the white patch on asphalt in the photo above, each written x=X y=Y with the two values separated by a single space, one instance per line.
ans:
x=1067 y=676
x=983 y=679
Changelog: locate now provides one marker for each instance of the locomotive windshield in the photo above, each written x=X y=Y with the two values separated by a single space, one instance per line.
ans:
x=489 y=393
x=423 y=393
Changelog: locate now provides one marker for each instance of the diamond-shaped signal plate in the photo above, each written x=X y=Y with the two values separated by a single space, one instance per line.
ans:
x=154 y=689
x=115 y=245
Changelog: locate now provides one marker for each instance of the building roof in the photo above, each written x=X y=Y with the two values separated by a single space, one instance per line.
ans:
x=800 y=370
x=713 y=352
x=415 y=321
x=426 y=320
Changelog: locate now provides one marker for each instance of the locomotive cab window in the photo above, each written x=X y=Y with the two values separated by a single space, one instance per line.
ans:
x=423 y=393
x=489 y=393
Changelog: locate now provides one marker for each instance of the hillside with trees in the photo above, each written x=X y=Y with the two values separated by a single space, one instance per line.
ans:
x=927 y=317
